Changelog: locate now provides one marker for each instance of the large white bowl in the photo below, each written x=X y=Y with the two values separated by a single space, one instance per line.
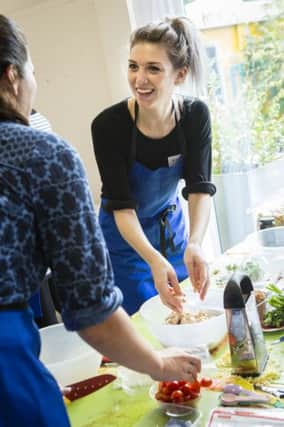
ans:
x=190 y=336
x=67 y=356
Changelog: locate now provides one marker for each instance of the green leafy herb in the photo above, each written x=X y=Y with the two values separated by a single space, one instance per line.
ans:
x=275 y=317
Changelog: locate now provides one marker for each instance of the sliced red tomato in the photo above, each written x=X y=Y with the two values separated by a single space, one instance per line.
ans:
x=165 y=390
x=206 y=382
x=195 y=387
x=186 y=389
x=163 y=397
x=177 y=396
x=173 y=385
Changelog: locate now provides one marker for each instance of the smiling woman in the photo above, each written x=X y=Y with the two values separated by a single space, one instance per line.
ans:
x=144 y=146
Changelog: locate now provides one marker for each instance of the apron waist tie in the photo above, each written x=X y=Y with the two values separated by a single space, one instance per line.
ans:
x=165 y=225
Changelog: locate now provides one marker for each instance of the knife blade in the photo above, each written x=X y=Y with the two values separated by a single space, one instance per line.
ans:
x=85 y=387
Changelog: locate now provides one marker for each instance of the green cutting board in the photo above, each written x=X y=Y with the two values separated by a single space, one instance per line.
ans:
x=111 y=407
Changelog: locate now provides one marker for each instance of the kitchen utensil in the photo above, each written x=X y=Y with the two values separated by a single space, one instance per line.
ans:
x=271 y=390
x=247 y=345
x=236 y=389
x=230 y=399
x=83 y=388
x=281 y=339
x=279 y=387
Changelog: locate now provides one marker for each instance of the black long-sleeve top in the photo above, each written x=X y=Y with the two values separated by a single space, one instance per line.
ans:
x=112 y=139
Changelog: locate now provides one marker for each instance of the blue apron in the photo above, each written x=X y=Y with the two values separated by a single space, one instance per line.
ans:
x=35 y=304
x=160 y=213
x=30 y=396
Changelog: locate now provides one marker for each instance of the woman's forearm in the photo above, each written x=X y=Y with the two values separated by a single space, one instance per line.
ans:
x=199 y=212
x=129 y=227
x=117 y=339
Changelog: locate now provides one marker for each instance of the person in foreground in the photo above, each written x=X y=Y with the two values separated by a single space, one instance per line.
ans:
x=144 y=146
x=47 y=219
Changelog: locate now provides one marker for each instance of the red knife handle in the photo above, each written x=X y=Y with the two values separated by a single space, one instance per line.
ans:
x=85 y=387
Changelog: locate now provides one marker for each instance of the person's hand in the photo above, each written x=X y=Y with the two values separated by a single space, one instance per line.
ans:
x=197 y=269
x=177 y=365
x=166 y=283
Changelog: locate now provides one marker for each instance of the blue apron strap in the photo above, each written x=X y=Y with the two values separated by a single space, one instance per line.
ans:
x=163 y=220
x=165 y=225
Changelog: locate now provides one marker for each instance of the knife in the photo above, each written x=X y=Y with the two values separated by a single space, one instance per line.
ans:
x=85 y=387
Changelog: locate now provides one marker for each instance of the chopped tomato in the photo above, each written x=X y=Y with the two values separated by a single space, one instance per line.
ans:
x=178 y=391
x=177 y=396
x=206 y=382
x=163 y=397
x=195 y=387
x=165 y=390
x=173 y=385
x=186 y=389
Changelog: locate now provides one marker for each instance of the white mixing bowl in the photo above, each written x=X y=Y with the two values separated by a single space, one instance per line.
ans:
x=67 y=356
x=208 y=332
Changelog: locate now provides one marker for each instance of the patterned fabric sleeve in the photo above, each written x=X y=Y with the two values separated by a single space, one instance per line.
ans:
x=70 y=236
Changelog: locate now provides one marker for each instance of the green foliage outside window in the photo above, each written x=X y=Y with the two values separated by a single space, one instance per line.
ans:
x=249 y=131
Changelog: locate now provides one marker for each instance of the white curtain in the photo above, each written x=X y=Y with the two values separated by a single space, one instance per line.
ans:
x=142 y=12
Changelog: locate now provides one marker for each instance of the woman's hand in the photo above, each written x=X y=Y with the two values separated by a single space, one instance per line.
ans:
x=166 y=283
x=197 y=268
x=177 y=365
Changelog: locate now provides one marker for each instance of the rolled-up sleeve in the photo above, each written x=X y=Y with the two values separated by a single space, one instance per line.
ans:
x=70 y=236
x=198 y=155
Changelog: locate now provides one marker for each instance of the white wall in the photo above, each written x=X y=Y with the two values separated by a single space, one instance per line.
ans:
x=79 y=49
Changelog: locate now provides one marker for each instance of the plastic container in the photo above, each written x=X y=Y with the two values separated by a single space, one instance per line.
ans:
x=187 y=409
x=189 y=336
x=67 y=356
x=270 y=240
x=268 y=244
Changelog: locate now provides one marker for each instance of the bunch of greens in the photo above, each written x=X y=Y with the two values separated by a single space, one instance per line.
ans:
x=275 y=317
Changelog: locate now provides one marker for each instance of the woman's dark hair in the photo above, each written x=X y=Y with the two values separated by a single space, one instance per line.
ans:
x=13 y=51
x=182 y=42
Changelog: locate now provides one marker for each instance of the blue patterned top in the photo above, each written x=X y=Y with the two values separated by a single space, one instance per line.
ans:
x=47 y=220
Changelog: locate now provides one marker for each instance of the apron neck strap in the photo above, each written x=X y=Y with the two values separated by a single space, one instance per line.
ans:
x=180 y=133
